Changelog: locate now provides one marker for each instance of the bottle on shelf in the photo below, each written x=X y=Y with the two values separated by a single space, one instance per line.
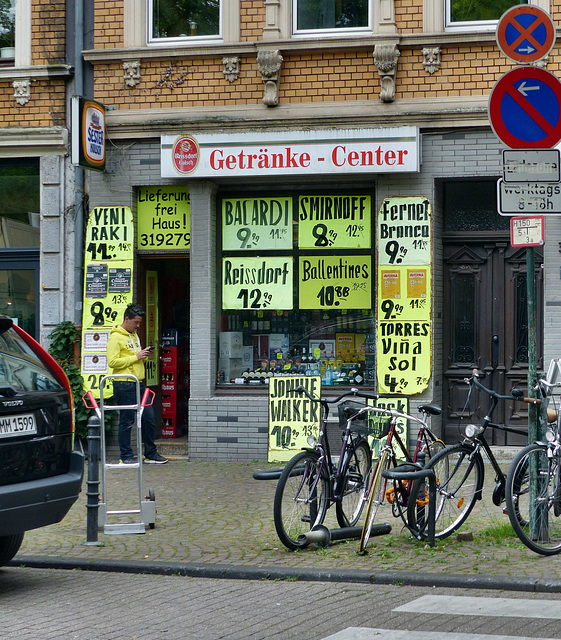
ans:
x=328 y=374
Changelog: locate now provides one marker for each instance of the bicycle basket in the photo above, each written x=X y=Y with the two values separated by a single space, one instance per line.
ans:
x=367 y=424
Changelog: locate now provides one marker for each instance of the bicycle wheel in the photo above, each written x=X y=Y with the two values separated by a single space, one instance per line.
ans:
x=533 y=495
x=301 y=498
x=355 y=473
x=375 y=498
x=459 y=481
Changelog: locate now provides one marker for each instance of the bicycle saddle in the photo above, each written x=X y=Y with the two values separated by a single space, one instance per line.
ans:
x=433 y=409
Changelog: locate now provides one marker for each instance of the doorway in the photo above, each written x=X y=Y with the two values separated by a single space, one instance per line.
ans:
x=164 y=291
x=485 y=315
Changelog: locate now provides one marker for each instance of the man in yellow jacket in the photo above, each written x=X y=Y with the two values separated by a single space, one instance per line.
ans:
x=126 y=356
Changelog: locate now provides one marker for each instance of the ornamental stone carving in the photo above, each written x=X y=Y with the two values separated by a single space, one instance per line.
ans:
x=431 y=59
x=22 y=91
x=131 y=74
x=231 y=67
x=385 y=58
x=269 y=63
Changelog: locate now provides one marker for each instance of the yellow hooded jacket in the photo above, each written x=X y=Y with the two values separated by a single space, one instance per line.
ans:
x=122 y=348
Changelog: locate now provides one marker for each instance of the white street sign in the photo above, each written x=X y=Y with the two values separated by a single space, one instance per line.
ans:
x=531 y=165
x=527 y=232
x=528 y=197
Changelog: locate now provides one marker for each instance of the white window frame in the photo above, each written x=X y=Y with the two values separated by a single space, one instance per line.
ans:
x=187 y=39
x=331 y=33
x=478 y=25
x=434 y=17
x=23 y=33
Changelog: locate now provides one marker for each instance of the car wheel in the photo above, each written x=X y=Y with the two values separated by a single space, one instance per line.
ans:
x=9 y=546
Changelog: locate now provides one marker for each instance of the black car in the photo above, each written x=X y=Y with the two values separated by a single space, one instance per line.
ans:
x=40 y=469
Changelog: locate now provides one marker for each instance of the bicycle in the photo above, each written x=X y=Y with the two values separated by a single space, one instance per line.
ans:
x=459 y=468
x=311 y=483
x=399 y=496
x=533 y=484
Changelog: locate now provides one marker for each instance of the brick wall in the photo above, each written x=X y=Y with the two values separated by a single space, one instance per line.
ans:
x=46 y=108
x=252 y=20
x=108 y=27
x=48 y=32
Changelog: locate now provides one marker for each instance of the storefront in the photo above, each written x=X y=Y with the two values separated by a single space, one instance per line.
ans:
x=310 y=252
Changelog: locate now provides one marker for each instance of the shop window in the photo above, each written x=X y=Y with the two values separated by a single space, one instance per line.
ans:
x=331 y=15
x=178 y=20
x=19 y=203
x=297 y=288
x=471 y=205
x=462 y=14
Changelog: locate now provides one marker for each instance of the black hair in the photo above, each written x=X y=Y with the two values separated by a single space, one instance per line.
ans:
x=134 y=310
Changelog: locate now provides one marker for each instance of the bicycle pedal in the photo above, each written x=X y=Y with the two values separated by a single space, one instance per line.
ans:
x=355 y=477
x=306 y=519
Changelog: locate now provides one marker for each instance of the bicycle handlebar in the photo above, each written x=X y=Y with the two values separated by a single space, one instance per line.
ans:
x=353 y=392
x=476 y=374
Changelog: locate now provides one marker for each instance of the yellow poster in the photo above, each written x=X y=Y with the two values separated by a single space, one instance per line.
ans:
x=405 y=231
x=334 y=222
x=257 y=283
x=404 y=301
x=253 y=224
x=108 y=276
x=293 y=417
x=335 y=282
x=163 y=218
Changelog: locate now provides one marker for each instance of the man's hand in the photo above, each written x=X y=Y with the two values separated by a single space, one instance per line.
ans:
x=143 y=353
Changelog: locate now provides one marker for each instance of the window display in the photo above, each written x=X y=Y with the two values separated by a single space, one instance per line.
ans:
x=297 y=287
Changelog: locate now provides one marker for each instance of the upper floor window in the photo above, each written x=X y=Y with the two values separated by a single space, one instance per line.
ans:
x=173 y=20
x=331 y=15
x=7 y=28
x=476 y=14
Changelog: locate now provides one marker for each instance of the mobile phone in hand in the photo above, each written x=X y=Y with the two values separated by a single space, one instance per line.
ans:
x=151 y=348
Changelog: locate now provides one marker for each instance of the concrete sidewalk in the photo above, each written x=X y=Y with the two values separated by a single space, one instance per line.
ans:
x=214 y=519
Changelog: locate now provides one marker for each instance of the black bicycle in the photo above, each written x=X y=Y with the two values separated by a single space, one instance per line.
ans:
x=311 y=482
x=459 y=468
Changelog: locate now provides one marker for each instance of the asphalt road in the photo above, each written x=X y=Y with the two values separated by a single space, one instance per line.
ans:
x=47 y=604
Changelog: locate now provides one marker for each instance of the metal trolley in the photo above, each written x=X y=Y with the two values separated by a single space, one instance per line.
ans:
x=146 y=509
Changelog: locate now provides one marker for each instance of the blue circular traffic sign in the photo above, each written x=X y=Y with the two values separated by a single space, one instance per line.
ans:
x=525 y=108
x=525 y=33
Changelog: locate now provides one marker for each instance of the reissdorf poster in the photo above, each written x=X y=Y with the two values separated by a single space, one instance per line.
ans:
x=404 y=300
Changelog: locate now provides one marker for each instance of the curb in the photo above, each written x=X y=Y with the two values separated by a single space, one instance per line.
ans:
x=236 y=572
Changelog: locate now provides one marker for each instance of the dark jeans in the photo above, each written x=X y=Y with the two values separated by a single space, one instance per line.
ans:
x=125 y=394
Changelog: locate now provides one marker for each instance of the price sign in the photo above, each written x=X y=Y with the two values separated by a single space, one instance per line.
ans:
x=336 y=222
x=292 y=417
x=163 y=218
x=107 y=285
x=404 y=231
x=250 y=224
x=335 y=282
x=257 y=283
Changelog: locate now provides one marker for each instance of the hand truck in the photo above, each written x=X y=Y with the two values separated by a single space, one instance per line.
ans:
x=146 y=510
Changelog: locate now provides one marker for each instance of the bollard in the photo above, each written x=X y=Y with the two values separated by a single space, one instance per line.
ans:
x=92 y=492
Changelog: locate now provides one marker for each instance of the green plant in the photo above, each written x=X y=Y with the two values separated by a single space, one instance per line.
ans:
x=63 y=337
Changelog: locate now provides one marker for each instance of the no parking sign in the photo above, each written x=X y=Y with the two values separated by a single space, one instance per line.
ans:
x=525 y=33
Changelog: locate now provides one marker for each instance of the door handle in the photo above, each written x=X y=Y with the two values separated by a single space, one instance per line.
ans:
x=495 y=350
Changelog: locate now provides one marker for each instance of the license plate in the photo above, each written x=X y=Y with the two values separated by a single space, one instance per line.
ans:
x=19 y=425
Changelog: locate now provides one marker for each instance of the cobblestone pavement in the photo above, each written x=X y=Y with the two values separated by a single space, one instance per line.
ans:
x=216 y=513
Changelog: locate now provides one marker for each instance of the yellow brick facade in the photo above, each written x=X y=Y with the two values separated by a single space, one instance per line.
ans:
x=48 y=32
x=252 y=20
x=109 y=24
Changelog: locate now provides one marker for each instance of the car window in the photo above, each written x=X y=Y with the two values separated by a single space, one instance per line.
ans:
x=20 y=367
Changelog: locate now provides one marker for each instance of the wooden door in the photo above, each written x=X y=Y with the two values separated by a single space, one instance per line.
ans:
x=485 y=327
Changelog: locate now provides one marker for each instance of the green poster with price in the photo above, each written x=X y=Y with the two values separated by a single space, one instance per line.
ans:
x=335 y=282
x=108 y=277
x=253 y=224
x=334 y=222
x=257 y=283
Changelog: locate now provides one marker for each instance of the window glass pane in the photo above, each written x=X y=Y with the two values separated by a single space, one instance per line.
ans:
x=302 y=253
x=472 y=206
x=20 y=367
x=19 y=203
x=7 y=24
x=17 y=297
x=471 y=10
x=185 y=18
x=332 y=14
